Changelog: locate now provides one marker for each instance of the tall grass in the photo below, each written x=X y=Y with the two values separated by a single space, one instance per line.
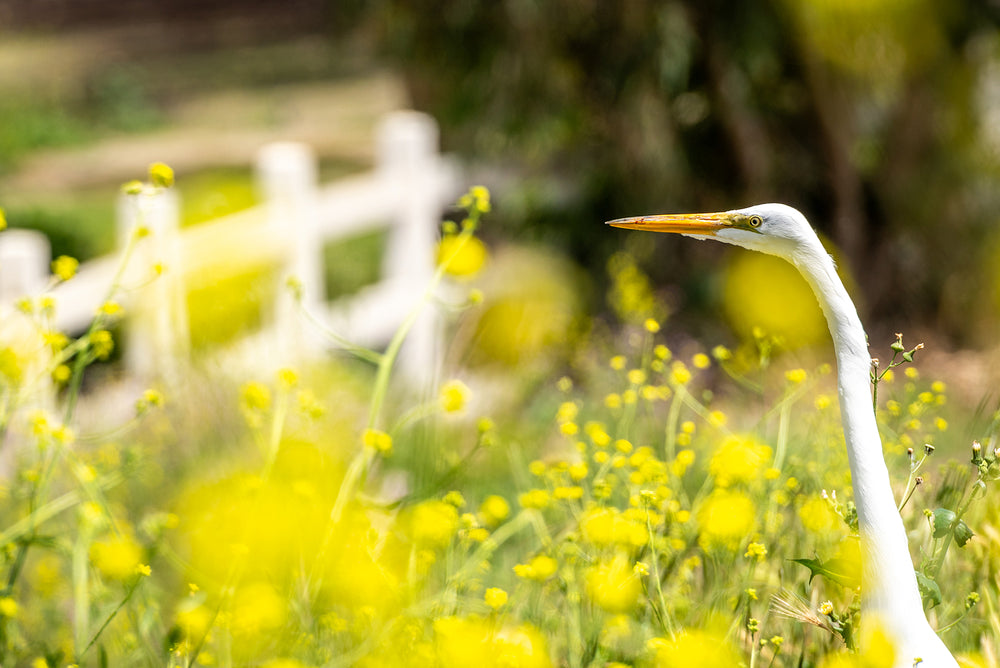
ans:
x=654 y=506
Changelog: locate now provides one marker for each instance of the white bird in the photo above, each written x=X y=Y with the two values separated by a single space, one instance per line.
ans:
x=888 y=583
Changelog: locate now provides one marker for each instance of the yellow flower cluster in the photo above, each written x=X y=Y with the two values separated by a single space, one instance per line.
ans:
x=377 y=440
x=613 y=585
x=433 y=523
x=739 y=459
x=116 y=557
x=725 y=518
x=472 y=642
x=64 y=267
x=631 y=293
x=695 y=647
x=540 y=568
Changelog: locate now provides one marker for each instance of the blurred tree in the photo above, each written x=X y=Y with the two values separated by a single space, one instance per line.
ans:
x=867 y=115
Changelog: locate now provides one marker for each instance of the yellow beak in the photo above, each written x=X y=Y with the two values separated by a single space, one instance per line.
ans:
x=681 y=223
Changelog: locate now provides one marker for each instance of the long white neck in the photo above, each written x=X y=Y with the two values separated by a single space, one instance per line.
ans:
x=889 y=585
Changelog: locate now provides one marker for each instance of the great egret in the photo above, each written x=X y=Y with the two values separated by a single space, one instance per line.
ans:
x=889 y=585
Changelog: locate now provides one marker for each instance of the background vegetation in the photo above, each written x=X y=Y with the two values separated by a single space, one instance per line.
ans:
x=634 y=435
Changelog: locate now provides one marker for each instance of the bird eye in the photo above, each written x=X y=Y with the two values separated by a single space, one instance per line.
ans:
x=755 y=221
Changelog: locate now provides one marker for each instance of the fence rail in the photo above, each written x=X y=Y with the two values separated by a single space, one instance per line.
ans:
x=406 y=193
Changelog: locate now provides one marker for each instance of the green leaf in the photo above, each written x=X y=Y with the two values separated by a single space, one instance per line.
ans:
x=943 y=519
x=930 y=592
x=840 y=571
x=963 y=534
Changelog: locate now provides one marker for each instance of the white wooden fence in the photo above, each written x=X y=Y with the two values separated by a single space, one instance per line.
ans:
x=407 y=192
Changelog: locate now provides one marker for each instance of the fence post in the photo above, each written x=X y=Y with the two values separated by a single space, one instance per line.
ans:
x=24 y=264
x=407 y=156
x=24 y=272
x=157 y=335
x=287 y=175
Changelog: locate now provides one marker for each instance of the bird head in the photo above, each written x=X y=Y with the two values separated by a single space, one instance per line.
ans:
x=775 y=229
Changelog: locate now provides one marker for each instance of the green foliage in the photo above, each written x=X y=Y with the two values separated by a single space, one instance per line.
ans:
x=604 y=111
x=353 y=263
x=640 y=510
x=28 y=124
x=835 y=570
x=81 y=226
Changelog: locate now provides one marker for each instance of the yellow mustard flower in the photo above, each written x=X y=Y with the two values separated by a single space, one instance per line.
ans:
x=796 y=376
x=534 y=498
x=694 y=647
x=287 y=378
x=540 y=568
x=613 y=585
x=64 y=267
x=257 y=609
x=116 y=557
x=495 y=597
x=679 y=373
x=725 y=517
x=161 y=175
x=377 y=440
x=598 y=525
x=568 y=493
x=494 y=510
x=462 y=257
x=101 y=343
x=454 y=396
x=255 y=397
x=433 y=523
x=8 y=607
x=739 y=459
x=817 y=516
x=473 y=642
x=721 y=353
x=683 y=460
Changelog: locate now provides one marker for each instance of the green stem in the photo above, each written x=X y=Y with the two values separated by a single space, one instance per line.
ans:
x=948 y=627
x=361 y=353
x=781 y=447
x=81 y=587
x=358 y=469
x=939 y=559
x=114 y=613
x=277 y=428
x=670 y=437
x=83 y=359
x=665 y=617
x=23 y=530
